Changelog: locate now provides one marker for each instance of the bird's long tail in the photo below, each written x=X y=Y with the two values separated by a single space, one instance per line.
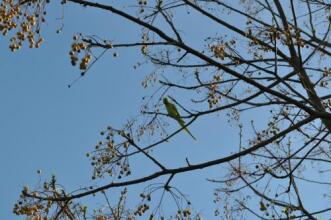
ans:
x=190 y=133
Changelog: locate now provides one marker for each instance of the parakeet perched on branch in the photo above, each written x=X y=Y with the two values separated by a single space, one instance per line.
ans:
x=173 y=112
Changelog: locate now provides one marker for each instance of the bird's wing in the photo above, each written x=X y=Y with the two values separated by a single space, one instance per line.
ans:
x=172 y=110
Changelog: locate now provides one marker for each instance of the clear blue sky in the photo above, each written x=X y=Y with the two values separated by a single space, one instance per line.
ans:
x=44 y=125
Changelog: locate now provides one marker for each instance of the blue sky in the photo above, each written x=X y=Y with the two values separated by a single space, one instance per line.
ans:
x=44 y=125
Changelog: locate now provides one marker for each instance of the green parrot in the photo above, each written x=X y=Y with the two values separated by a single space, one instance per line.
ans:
x=173 y=112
